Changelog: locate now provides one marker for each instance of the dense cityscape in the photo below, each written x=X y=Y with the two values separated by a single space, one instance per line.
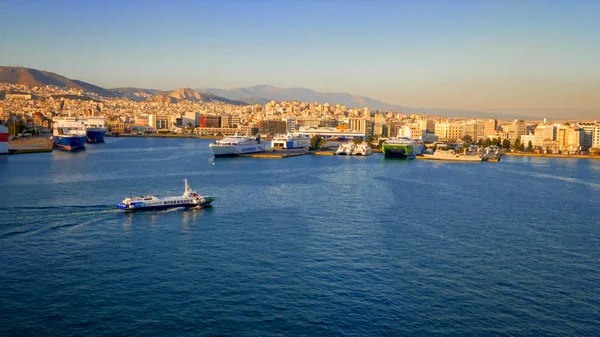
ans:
x=27 y=109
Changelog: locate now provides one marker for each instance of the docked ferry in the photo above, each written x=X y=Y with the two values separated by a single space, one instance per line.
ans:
x=189 y=199
x=401 y=148
x=3 y=139
x=68 y=133
x=236 y=145
x=451 y=155
x=290 y=141
x=95 y=129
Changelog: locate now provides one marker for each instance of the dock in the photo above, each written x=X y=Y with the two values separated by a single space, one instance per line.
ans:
x=276 y=154
x=30 y=145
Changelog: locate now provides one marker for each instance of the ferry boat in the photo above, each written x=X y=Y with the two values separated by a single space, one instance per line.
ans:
x=3 y=139
x=95 y=129
x=401 y=147
x=189 y=199
x=290 y=141
x=68 y=133
x=345 y=149
x=451 y=155
x=236 y=145
x=362 y=149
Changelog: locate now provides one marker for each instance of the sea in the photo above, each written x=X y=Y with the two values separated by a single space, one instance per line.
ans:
x=301 y=246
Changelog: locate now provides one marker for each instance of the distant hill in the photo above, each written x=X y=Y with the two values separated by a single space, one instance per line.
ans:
x=137 y=94
x=187 y=94
x=264 y=93
x=39 y=78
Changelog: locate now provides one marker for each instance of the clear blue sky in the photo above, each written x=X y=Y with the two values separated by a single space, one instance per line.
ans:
x=481 y=55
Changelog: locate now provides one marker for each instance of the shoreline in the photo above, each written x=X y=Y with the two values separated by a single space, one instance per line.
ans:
x=568 y=156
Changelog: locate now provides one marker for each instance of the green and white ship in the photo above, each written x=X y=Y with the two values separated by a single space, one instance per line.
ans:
x=401 y=147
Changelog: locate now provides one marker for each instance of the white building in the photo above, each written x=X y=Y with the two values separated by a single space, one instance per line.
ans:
x=449 y=131
x=190 y=118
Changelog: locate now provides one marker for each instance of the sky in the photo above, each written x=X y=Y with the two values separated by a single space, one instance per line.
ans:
x=537 y=58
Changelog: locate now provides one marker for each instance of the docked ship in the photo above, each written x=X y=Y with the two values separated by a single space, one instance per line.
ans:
x=402 y=148
x=345 y=149
x=189 y=199
x=451 y=155
x=362 y=149
x=95 y=129
x=3 y=139
x=236 y=145
x=290 y=141
x=68 y=133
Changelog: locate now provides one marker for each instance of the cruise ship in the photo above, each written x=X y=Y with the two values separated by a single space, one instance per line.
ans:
x=290 y=141
x=451 y=155
x=69 y=133
x=402 y=148
x=236 y=145
x=189 y=199
x=95 y=129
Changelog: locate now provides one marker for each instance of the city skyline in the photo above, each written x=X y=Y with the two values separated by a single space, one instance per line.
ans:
x=532 y=58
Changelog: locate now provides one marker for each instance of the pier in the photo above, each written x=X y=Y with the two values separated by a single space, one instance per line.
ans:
x=30 y=145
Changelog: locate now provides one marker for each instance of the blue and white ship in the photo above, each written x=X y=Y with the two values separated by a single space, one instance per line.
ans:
x=189 y=199
x=69 y=133
x=236 y=145
x=95 y=129
x=290 y=141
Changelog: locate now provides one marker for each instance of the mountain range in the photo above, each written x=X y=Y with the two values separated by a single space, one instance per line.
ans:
x=40 y=78
x=259 y=94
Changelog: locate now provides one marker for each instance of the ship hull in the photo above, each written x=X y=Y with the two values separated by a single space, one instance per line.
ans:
x=70 y=143
x=140 y=207
x=95 y=135
x=473 y=159
x=402 y=152
x=236 y=150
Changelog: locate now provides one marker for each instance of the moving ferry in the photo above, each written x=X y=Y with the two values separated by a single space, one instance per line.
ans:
x=189 y=199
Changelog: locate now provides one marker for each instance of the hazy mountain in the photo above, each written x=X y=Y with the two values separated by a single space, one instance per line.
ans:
x=264 y=93
x=137 y=94
x=187 y=94
x=39 y=78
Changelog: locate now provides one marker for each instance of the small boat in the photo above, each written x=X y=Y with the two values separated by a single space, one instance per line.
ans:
x=189 y=199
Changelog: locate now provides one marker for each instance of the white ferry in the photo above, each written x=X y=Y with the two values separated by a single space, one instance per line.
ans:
x=362 y=149
x=189 y=199
x=236 y=145
x=451 y=155
x=290 y=141
x=345 y=149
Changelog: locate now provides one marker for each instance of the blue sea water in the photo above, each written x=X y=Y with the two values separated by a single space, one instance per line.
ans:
x=310 y=245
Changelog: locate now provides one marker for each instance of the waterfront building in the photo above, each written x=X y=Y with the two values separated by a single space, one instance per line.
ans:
x=190 y=118
x=330 y=132
x=588 y=131
x=449 y=132
x=490 y=127
x=525 y=139
x=515 y=130
x=596 y=137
